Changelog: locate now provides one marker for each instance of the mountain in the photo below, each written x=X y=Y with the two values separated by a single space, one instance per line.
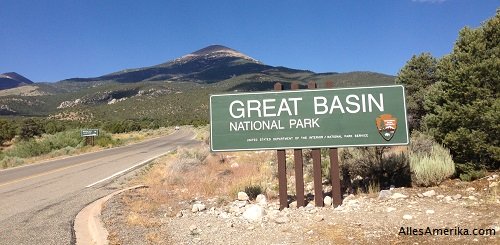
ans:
x=12 y=80
x=171 y=93
x=208 y=65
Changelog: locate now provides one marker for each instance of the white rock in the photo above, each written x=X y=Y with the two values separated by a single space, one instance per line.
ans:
x=261 y=199
x=470 y=189
x=254 y=213
x=384 y=194
x=240 y=204
x=472 y=198
x=327 y=201
x=398 y=196
x=282 y=220
x=457 y=196
x=224 y=215
x=242 y=196
x=390 y=209
x=439 y=196
x=407 y=217
x=493 y=184
x=430 y=193
x=429 y=211
x=293 y=204
x=193 y=229
x=448 y=198
x=197 y=207
x=234 y=165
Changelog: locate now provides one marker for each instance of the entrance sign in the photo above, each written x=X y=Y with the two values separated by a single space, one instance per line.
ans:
x=344 y=117
x=89 y=132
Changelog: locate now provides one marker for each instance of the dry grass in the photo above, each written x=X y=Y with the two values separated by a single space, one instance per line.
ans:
x=196 y=174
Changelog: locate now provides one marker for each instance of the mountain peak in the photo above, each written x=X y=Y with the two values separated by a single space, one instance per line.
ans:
x=216 y=51
x=12 y=80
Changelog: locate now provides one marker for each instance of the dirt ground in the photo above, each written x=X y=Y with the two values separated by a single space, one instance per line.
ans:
x=451 y=213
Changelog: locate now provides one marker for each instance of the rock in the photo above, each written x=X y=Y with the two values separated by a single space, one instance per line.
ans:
x=439 y=196
x=293 y=204
x=261 y=199
x=224 y=215
x=310 y=206
x=392 y=187
x=407 y=217
x=197 y=207
x=319 y=218
x=240 y=204
x=470 y=189
x=384 y=194
x=398 y=196
x=251 y=228
x=472 y=198
x=281 y=220
x=327 y=201
x=430 y=193
x=235 y=165
x=193 y=229
x=390 y=209
x=234 y=210
x=242 y=196
x=339 y=208
x=493 y=177
x=353 y=204
x=429 y=211
x=448 y=198
x=457 y=196
x=493 y=184
x=254 y=213
x=420 y=195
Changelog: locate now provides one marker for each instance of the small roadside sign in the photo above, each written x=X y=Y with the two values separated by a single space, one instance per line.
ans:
x=89 y=132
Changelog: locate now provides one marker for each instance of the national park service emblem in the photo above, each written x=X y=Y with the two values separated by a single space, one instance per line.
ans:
x=386 y=125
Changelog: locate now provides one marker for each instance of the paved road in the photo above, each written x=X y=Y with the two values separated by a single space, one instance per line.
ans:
x=39 y=202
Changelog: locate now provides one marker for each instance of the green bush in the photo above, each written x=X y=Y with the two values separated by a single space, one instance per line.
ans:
x=252 y=191
x=469 y=172
x=430 y=163
x=9 y=162
x=46 y=144
x=373 y=166
x=105 y=139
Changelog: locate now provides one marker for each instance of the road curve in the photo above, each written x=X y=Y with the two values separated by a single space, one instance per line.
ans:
x=39 y=202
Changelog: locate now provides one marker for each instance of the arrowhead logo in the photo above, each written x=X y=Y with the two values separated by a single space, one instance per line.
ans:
x=386 y=125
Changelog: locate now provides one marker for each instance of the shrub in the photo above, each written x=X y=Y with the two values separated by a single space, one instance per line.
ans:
x=46 y=144
x=430 y=163
x=374 y=166
x=106 y=140
x=189 y=158
x=469 y=172
x=8 y=162
x=253 y=190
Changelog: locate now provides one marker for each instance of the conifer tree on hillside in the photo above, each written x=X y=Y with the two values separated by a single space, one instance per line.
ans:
x=464 y=106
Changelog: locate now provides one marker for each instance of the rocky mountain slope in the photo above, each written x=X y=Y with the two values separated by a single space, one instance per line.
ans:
x=12 y=80
x=176 y=90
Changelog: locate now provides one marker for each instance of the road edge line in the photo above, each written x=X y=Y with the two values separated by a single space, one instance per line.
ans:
x=127 y=170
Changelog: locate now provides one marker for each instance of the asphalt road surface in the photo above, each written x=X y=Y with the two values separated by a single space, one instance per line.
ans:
x=39 y=202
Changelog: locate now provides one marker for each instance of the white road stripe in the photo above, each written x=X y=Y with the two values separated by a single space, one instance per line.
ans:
x=126 y=170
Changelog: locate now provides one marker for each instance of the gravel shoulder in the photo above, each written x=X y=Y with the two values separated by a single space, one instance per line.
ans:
x=379 y=218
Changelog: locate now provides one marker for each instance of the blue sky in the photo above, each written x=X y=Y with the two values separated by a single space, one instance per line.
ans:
x=54 y=40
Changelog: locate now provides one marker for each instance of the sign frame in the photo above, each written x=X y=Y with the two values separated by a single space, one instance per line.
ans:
x=311 y=146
